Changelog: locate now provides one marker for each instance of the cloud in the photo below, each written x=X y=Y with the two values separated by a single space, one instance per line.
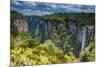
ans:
x=41 y=8
x=47 y=4
x=29 y=3
x=31 y=12
x=15 y=2
x=35 y=12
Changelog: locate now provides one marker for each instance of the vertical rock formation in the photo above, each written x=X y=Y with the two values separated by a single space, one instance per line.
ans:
x=22 y=25
x=43 y=30
x=84 y=33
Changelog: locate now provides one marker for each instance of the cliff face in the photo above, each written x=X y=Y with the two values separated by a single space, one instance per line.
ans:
x=36 y=25
x=42 y=29
x=84 y=33
x=22 y=25
x=18 y=22
x=19 y=26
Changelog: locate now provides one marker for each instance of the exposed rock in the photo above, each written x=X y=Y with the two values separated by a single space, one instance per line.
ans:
x=43 y=29
x=22 y=25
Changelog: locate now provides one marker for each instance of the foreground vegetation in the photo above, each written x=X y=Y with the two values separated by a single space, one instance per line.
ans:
x=26 y=50
x=30 y=52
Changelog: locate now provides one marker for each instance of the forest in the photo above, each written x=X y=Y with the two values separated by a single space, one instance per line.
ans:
x=52 y=39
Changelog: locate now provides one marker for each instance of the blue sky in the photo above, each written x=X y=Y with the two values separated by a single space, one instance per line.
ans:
x=42 y=8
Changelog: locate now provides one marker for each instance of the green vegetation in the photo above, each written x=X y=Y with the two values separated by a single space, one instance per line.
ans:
x=89 y=54
x=26 y=50
x=46 y=53
x=84 y=18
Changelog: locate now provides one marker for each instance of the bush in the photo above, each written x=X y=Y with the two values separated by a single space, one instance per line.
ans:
x=46 y=53
x=89 y=53
x=70 y=58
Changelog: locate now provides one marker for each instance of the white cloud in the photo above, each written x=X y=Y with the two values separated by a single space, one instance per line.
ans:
x=32 y=3
x=51 y=5
x=29 y=3
x=15 y=2
x=35 y=12
x=26 y=10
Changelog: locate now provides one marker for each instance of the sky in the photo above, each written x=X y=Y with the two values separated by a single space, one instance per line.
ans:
x=44 y=8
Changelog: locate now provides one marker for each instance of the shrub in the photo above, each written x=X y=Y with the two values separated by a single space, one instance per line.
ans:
x=46 y=53
x=70 y=58
x=89 y=53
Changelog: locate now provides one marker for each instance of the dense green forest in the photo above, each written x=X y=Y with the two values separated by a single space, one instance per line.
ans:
x=26 y=49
